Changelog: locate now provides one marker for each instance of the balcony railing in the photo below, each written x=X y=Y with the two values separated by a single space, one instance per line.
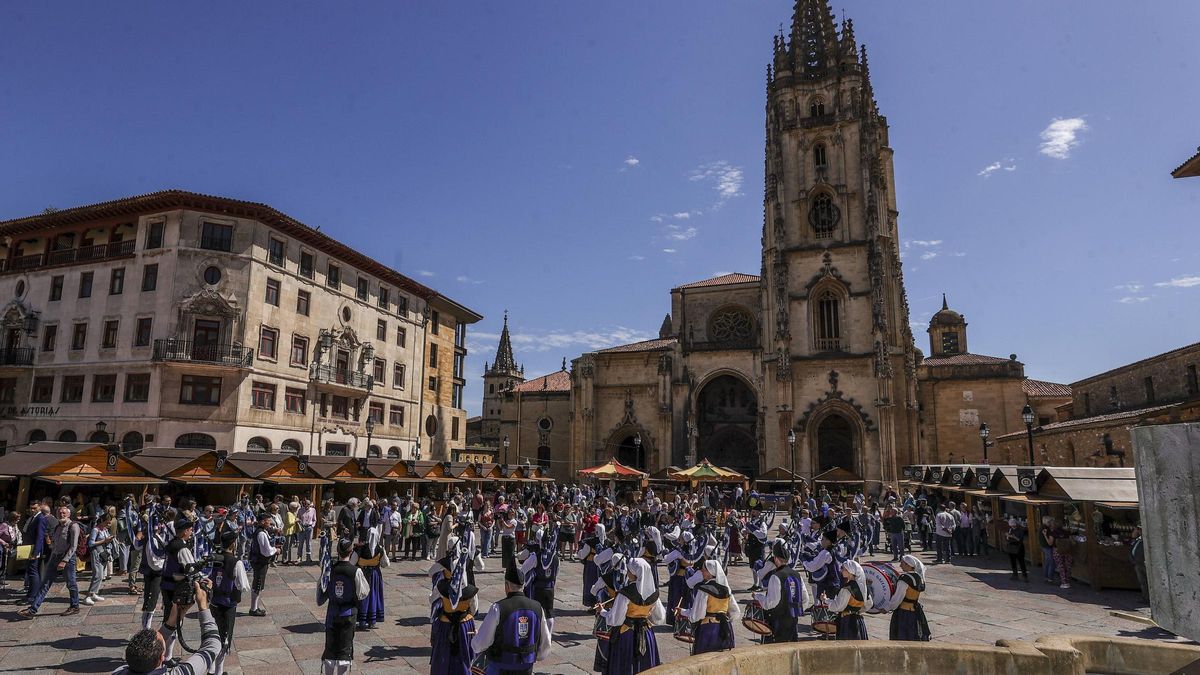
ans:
x=333 y=375
x=69 y=256
x=172 y=349
x=830 y=345
x=16 y=356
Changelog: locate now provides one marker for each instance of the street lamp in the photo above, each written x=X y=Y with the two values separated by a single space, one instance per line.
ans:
x=101 y=434
x=1027 y=416
x=637 y=450
x=370 y=430
x=505 y=443
x=791 y=438
x=983 y=435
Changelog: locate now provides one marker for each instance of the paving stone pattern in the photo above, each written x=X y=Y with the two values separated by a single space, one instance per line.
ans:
x=973 y=602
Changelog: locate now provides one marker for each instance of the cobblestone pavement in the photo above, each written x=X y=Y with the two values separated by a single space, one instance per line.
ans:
x=973 y=602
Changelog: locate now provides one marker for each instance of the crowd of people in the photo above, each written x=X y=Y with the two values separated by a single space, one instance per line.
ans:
x=645 y=560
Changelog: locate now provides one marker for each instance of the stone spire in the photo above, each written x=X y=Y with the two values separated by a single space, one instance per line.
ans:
x=664 y=331
x=504 y=353
x=814 y=38
x=945 y=305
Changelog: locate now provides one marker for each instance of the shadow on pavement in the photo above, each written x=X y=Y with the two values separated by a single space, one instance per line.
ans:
x=100 y=664
x=379 y=653
x=306 y=628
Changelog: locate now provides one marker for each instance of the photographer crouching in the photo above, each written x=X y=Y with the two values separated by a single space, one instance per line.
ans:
x=145 y=654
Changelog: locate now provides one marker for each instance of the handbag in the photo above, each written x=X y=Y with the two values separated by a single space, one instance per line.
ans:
x=25 y=552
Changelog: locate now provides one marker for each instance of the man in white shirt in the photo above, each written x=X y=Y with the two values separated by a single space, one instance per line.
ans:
x=945 y=523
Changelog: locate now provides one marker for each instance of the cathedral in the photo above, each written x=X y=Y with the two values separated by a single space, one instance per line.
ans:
x=811 y=363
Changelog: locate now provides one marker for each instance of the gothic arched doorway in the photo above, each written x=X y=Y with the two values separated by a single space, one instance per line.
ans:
x=835 y=444
x=727 y=424
x=632 y=453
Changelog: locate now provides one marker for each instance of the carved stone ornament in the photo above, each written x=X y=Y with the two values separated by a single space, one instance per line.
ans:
x=783 y=365
x=630 y=417
x=664 y=364
x=732 y=327
x=587 y=367
x=208 y=302
x=834 y=394
x=14 y=314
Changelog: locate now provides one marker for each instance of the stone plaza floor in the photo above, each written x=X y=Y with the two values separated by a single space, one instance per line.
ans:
x=971 y=602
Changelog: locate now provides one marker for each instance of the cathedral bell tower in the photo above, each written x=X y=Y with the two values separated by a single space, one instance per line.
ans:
x=837 y=348
x=503 y=374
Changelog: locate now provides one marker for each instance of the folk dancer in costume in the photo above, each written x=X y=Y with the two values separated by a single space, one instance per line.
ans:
x=676 y=562
x=713 y=610
x=539 y=568
x=756 y=544
x=631 y=618
x=154 y=539
x=370 y=557
x=612 y=576
x=851 y=602
x=823 y=567
x=464 y=532
x=908 y=617
x=179 y=555
x=229 y=582
x=588 y=550
x=456 y=601
x=783 y=601
x=343 y=586
x=651 y=549
x=514 y=634
x=262 y=552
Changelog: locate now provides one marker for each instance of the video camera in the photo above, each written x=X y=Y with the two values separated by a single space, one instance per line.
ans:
x=193 y=572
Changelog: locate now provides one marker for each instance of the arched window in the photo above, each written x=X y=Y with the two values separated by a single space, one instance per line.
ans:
x=202 y=441
x=374 y=451
x=96 y=437
x=816 y=108
x=543 y=456
x=258 y=444
x=67 y=436
x=823 y=216
x=828 y=321
x=819 y=155
x=37 y=436
x=131 y=441
x=393 y=452
x=291 y=446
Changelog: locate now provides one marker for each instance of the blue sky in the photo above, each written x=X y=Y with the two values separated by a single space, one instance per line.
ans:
x=573 y=161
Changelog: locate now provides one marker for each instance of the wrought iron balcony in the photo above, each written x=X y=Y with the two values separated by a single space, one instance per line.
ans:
x=69 y=256
x=16 y=356
x=830 y=345
x=172 y=349
x=324 y=374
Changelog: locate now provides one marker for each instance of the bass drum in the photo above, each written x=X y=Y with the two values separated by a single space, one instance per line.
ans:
x=881 y=580
x=823 y=620
x=754 y=618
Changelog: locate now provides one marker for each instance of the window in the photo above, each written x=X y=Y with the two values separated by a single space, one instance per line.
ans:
x=67 y=436
x=272 y=297
x=433 y=356
x=816 y=108
x=433 y=318
x=132 y=441
x=456 y=396
x=262 y=396
x=79 y=336
x=154 y=235
x=401 y=305
x=1087 y=404
x=303 y=298
x=299 y=355
x=291 y=447
x=49 y=337
x=293 y=400
x=149 y=278
x=340 y=407
x=116 y=281
x=306 y=264
x=828 y=322
x=198 y=390
x=383 y=297
x=431 y=426
x=36 y=436
x=819 y=155
x=337 y=449
x=333 y=276
x=258 y=444
x=212 y=275
x=454 y=428
x=216 y=237
x=275 y=252
x=374 y=451
x=141 y=336
x=104 y=388
x=363 y=289
x=375 y=412
x=459 y=364
x=380 y=330
x=491 y=388
x=396 y=416
x=194 y=440
x=85 y=285
x=823 y=216
x=1148 y=383
x=268 y=343
x=72 y=389
x=137 y=387
x=950 y=342
x=398 y=375
x=56 y=286
x=109 y=339
x=379 y=374
x=460 y=335
x=433 y=383
x=8 y=390
x=401 y=336
x=43 y=390
x=1193 y=383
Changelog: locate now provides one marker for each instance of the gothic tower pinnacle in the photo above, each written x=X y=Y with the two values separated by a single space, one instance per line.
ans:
x=504 y=363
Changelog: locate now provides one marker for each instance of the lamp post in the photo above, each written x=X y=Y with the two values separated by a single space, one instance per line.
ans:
x=984 y=432
x=1027 y=416
x=637 y=451
x=505 y=444
x=791 y=438
x=101 y=434
x=370 y=430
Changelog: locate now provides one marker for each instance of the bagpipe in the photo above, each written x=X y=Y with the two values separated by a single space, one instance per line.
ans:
x=326 y=569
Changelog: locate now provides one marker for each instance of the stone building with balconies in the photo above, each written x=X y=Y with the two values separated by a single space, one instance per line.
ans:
x=186 y=320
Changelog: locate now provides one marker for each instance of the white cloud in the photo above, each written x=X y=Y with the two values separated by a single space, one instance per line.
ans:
x=1007 y=165
x=424 y=273
x=677 y=233
x=682 y=215
x=726 y=179
x=668 y=250
x=637 y=257
x=1128 y=288
x=1132 y=299
x=632 y=161
x=656 y=219
x=565 y=340
x=1180 y=282
x=929 y=255
x=464 y=279
x=927 y=243
x=1061 y=136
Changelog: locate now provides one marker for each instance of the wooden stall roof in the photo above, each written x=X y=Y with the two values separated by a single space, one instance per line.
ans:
x=837 y=475
x=73 y=464
x=778 y=475
x=390 y=469
x=1088 y=484
x=932 y=475
x=1004 y=479
x=465 y=470
x=1036 y=500
x=949 y=472
x=191 y=466
x=489 y=470
x=346 y=469
x=436 y=472
x=255 y=464
x=276 y=469
x=665 y=473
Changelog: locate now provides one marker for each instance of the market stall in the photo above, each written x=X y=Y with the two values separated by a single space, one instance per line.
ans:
x=351 y=476
x=1097 y=506
x=53 y=469
x=779 y=479
x=615 y=472
x=206 y=475
x=399 y=477
x=287 y=475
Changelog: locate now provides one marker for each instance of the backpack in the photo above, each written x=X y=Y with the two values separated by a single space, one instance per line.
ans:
x=82 y=551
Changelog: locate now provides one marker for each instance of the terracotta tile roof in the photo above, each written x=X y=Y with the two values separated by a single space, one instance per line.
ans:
x=644 y=346
x=1043 y=388
x=1190 y=168
x=1110 y=417
x=963 y=360
x=734 y=278
x=556 y=381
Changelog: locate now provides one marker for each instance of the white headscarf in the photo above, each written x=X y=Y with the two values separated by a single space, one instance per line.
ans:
x=718 y=573
x=913 y=562
x=856 y=576
x=640 y=569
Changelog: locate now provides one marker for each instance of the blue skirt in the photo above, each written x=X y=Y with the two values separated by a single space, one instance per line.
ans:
x=710 y=638
x=370 y=608
x=678 y=594
x=451 y=644
x=591 y=573
x=632 y=651
x=909 y=625
x=851 y=627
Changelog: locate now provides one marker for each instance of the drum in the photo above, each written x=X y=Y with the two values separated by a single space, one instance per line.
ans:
x=823 y=620
x=600 y=629
x=684 y=629
x=480 y=665
x=754 y=618
x=881 y=581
